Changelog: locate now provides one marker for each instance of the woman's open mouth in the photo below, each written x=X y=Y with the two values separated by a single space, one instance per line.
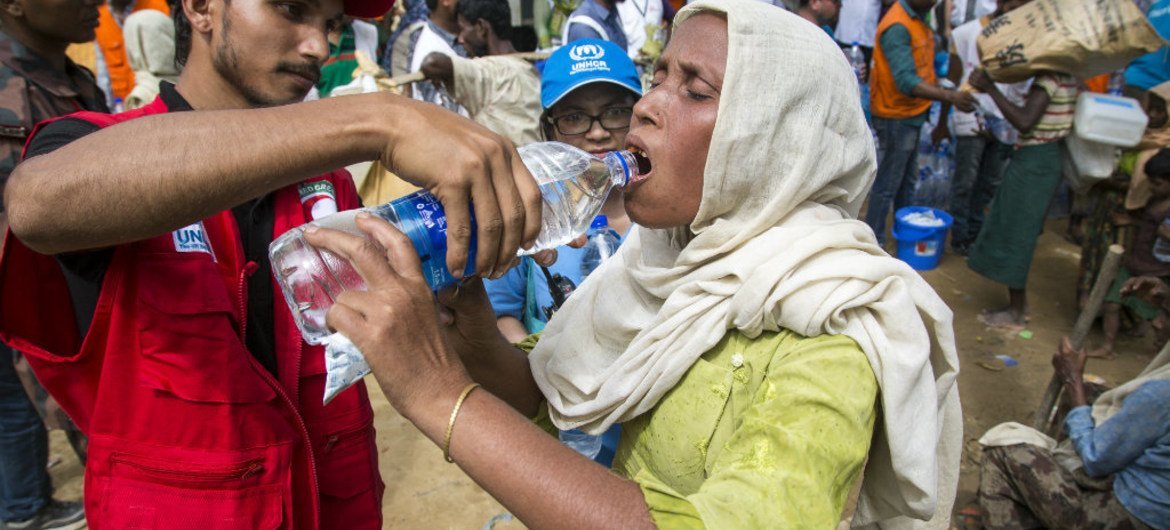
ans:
x=642 y=160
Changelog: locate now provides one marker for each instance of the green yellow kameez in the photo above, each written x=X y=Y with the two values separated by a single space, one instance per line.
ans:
x=760 y=433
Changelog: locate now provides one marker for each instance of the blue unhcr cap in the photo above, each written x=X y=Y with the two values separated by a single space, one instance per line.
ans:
x=585 y=61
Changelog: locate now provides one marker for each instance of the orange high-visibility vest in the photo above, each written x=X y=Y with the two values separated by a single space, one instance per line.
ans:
x=885 y=99
x=109 y=38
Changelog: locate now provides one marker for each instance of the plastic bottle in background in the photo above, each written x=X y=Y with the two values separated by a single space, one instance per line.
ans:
x=857 y=61
x=925 y=161
x=1116 y=83
x=584 y=443
x=603 y=243
x=940 y=167
x=1161 y=246
x=573 y=185
x=118 y=106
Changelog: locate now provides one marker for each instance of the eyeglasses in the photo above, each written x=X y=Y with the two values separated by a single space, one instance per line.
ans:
x=575 y=123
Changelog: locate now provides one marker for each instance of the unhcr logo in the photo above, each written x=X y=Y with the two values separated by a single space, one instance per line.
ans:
x=192 y=238
x=582 y=52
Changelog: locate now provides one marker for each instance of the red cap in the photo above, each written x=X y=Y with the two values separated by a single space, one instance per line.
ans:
x=367 y=8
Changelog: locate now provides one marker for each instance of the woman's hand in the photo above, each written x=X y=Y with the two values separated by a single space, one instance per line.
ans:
x=469 y=323
x=469 y=327
x=394 y=323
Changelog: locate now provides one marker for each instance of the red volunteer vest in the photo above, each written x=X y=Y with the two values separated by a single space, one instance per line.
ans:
x=187 y=431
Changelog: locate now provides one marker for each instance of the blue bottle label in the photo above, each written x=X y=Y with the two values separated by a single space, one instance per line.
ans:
x=425 y=223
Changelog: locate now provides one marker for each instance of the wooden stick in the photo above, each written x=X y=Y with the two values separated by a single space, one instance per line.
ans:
x=415 y=77
x=1041 y=420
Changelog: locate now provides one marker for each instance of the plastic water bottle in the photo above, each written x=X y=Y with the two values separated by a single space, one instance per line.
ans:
x=118 y=106
x=857 y=61
x=603 y=243
x=586 y=444
x=940 y=167
x=573 y=185
x=1161 y=246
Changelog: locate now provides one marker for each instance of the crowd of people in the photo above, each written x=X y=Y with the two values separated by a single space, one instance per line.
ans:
x=751 y=357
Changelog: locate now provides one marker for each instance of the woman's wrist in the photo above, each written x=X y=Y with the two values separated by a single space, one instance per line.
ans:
x=429 y=404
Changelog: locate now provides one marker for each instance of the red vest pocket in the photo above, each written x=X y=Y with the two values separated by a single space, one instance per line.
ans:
x=178 y=489
x=190 y=344
x=351 y=488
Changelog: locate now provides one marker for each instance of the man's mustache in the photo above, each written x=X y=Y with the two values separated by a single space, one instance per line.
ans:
x=309 y=70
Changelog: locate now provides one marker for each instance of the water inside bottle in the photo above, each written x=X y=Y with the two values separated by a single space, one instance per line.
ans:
x=311 y=278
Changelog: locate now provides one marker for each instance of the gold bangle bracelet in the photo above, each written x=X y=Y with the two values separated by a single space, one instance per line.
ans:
x=451 y=422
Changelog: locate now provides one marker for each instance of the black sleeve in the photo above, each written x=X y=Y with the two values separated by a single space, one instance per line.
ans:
x=85 y=270
x=57 y=134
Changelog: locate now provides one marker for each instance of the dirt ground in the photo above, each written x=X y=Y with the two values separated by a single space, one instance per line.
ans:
x=423 y=491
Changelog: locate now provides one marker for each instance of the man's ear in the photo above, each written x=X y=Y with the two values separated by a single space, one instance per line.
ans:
x=198 y=14
x=13 y=8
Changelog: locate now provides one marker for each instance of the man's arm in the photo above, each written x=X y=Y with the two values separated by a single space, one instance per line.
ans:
x=1022 y=118
x=144 y=177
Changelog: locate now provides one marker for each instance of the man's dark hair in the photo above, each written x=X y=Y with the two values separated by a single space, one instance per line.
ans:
x=1158 y=167
x=182 y=33
x=432 y=5
x=497 y=13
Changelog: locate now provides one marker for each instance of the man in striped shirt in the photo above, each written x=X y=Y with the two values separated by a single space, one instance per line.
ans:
x=1003 y=249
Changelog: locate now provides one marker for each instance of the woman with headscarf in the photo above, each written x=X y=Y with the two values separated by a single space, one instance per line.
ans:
x=745 y=335
x=150 y=47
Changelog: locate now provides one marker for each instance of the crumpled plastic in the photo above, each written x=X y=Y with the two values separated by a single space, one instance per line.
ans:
x=344 y=365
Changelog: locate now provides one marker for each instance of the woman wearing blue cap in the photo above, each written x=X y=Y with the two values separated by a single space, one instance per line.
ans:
x=588 y=90
x=745 y=335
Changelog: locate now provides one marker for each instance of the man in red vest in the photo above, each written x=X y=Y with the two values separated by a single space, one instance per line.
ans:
x=902 y=87
x=159 y=329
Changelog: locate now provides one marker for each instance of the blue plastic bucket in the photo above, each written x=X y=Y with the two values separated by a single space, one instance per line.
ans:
x=919 y=246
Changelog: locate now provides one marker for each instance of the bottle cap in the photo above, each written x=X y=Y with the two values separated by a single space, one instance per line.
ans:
x=600 y=221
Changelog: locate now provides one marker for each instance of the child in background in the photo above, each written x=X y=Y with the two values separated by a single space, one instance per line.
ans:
x=1140 y=259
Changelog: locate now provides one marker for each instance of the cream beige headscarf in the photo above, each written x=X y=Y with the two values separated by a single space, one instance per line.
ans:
x=150 y=48
x=775 y=245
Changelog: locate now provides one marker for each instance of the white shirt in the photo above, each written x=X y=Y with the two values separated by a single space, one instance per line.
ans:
x=963 y=39
x=858 y=22
x=428 y=42
x=960 y=14
x=635 y=15
x=365 y=38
